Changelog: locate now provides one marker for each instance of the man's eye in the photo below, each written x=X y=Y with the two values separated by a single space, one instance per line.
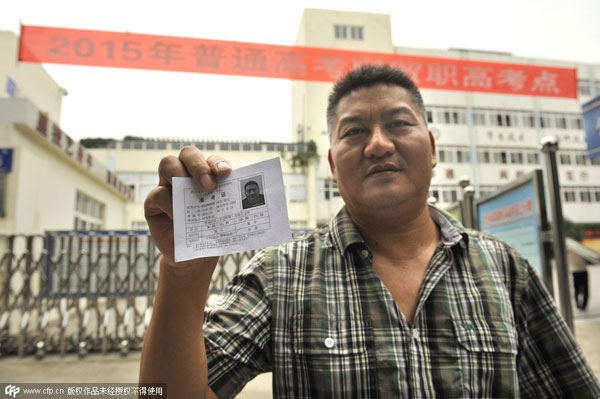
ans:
x=353 y=132
x=399 y=123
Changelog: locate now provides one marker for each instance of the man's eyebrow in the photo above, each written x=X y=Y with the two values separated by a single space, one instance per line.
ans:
x=350 y=119
x=399 y=111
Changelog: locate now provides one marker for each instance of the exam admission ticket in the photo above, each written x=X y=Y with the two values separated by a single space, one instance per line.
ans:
x=247 y=210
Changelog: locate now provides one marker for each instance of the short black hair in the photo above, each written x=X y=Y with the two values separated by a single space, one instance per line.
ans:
x=251 y=183
x=367 y=76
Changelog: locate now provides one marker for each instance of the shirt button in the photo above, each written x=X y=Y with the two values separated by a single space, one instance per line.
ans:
x=415 y=334
x=364 y=253
x=329 y=342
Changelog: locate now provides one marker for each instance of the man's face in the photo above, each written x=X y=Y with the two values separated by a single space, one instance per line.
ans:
x=252 y=192
x=381 y=153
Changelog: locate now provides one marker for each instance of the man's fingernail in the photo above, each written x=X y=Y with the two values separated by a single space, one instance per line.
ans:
x=223 y=166
x=206 y=181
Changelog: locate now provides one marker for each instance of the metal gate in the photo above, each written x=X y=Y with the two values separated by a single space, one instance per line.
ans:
x=82 y=291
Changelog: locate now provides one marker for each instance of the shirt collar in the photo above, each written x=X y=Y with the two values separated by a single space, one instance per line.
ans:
x=344 y=232
x=451 y=230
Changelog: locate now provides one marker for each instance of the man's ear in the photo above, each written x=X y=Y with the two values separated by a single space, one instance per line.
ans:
x=331 y=166
x=433 y=156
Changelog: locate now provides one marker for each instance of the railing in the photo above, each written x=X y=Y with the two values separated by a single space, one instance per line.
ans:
x=82 y=291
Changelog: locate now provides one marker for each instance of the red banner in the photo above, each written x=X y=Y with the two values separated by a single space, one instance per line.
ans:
x=127 y=50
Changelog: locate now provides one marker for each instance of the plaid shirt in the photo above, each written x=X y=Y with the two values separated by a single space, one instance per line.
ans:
x=315 y=313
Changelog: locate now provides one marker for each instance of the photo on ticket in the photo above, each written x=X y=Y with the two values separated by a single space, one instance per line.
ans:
x=252 y=192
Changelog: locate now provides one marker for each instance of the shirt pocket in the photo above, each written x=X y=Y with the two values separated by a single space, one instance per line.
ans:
x=487 y=355
x=323 y=336
x=334 y=356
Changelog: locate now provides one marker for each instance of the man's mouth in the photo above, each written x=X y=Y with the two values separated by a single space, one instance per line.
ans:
x=381 y=168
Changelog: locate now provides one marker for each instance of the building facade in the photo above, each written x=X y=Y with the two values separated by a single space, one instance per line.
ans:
x=135 y=162
x=491 y=138
x=48 y=181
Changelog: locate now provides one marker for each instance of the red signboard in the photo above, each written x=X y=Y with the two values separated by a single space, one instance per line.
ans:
x=127 y=50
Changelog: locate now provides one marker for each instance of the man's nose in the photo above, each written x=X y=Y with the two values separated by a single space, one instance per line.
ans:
x=379 y=143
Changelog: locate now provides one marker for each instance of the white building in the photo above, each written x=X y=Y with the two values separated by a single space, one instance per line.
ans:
x=51 y=181
x=500 y=141
x=490 y=137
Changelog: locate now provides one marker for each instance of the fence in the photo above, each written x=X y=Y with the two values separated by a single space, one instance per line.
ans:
x=82 y=291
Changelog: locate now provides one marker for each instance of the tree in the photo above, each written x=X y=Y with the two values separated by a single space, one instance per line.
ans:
x=95 y=142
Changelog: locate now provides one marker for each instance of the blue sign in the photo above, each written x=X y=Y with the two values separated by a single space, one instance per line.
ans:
x=591 y=122
x=513 y=218
x=11 y=87
x=6 y=156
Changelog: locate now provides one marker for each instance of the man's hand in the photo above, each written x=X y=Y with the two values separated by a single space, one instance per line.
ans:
x=174 y=350
x=158 y=207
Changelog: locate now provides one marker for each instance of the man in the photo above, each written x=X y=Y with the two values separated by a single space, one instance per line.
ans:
x=253 y=195
x=394 y=299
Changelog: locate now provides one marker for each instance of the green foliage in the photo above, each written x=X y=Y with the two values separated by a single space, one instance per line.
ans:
x=303 y=158
x=95 y=142
x=574 y=230
x=134 y=138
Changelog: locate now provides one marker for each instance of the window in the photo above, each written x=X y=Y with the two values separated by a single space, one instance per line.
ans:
x=429 y=117
x=516 y=157
x=585 y=196
x=597 y=195
x=595 y=161
x=545 y=122
x=580 y=159
x=569 y=196
x=502 y=119
x=450 y=196
x=225 y=146
x=246 y=147
x=326 y=189
x=533 y=158
x=356 y=32
x=583 y=87
x=89 y=213
x=478 y=118
x=565 y=159
x=561 y=122
x=351 y=32
x=336 y=192
x=463 y=156
x=340 y=31
x=446 y=195
x=257 y=147
x=484 y=156
x=235 y=147
x=500 y=157
x=529 y=120
x=445 y=156
x=295 y=186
